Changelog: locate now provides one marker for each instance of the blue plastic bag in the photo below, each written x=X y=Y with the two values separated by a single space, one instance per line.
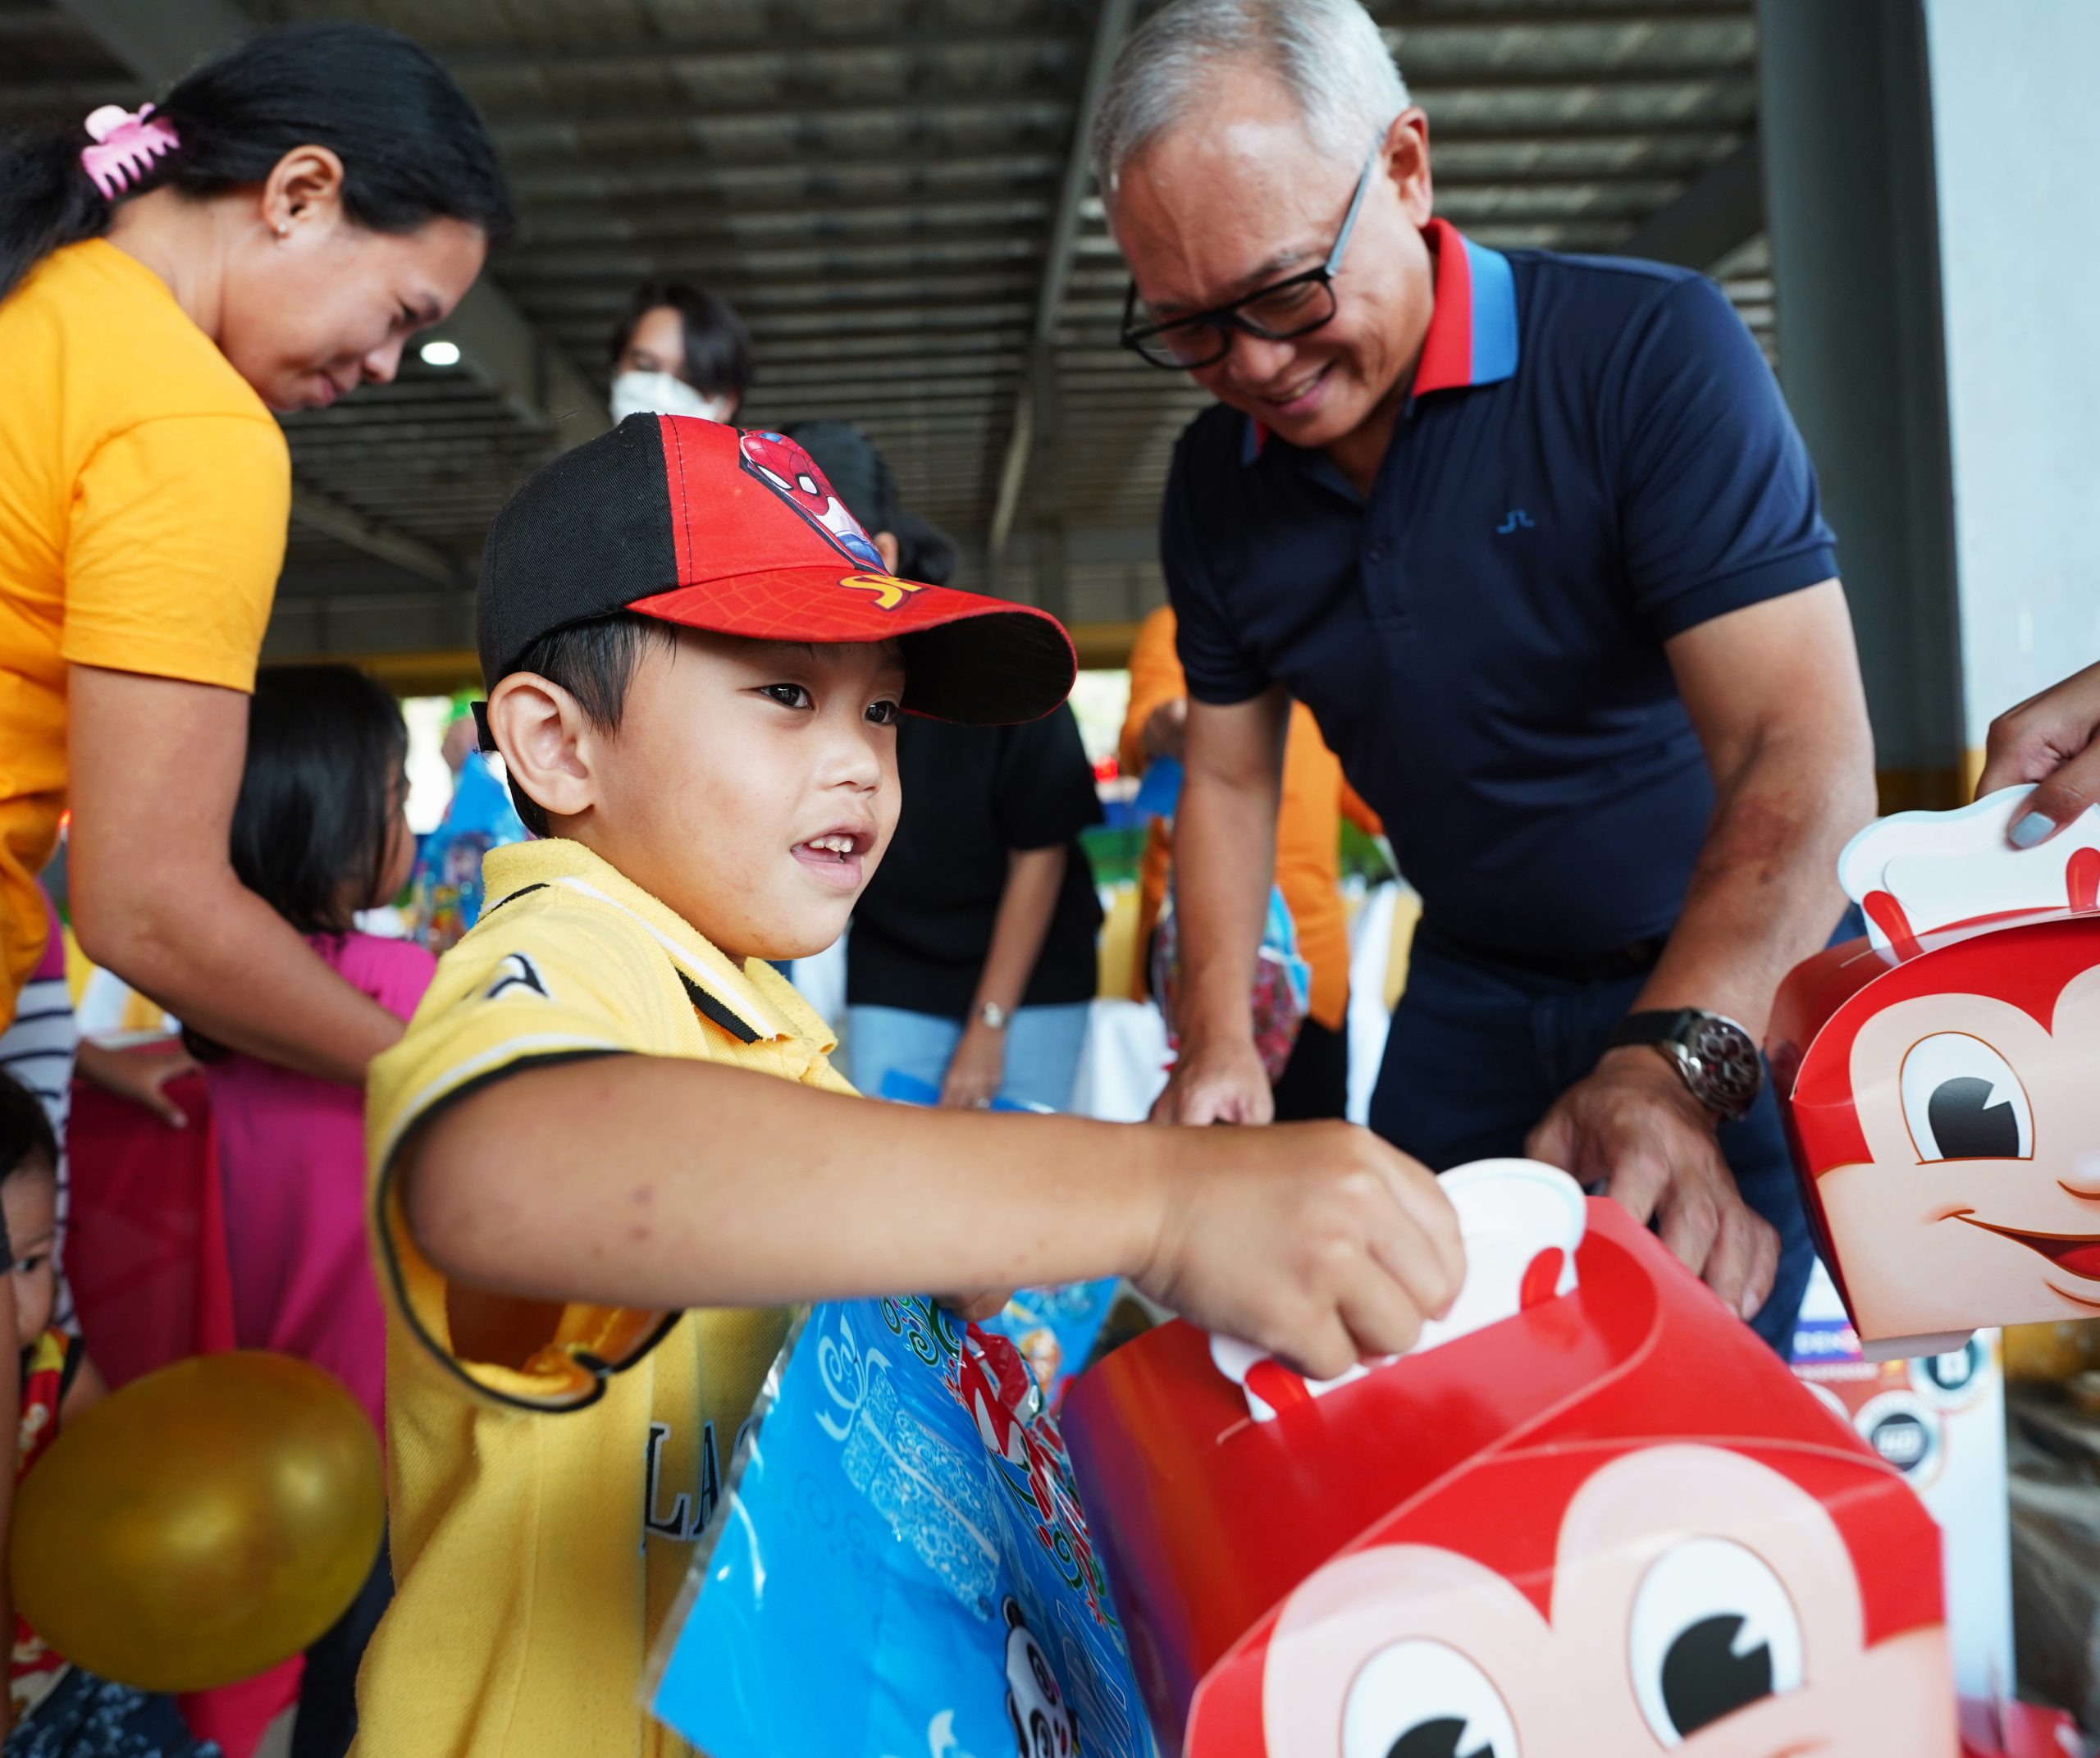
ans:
x=447 y=885
x=901 y=1569
x=1055 y=1329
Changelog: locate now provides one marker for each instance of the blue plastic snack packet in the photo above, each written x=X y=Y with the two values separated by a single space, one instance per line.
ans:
x=1160 y=792
x=901 y=1568
x=1055 y=1329
x=447 y=883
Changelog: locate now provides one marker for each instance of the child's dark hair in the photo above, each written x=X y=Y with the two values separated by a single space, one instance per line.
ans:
x=413 y=147
x=717 y=346
x=315 y=816
x=595 y=662
x=26 y=1140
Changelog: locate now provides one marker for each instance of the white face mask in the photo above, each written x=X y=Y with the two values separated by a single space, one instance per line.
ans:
x=663 y=394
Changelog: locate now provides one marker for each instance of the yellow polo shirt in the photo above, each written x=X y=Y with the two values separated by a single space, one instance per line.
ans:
x=143 y=495
x=543 y=1509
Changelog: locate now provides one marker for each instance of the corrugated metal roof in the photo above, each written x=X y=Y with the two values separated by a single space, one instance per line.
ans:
x=875 y=184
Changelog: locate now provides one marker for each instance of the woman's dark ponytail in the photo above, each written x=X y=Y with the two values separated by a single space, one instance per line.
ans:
x=46 y=201
x=413 y=145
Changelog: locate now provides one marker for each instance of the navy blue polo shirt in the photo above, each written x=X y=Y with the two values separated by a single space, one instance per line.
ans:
x=1595 y=457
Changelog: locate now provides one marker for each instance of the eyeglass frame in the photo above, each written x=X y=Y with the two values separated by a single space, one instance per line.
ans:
x=1226 y=318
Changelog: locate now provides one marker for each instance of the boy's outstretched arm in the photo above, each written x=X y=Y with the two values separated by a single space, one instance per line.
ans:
x=653 y=1182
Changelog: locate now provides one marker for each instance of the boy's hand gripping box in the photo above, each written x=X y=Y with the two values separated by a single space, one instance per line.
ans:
x=1940 y=1081
x=1594 y=1518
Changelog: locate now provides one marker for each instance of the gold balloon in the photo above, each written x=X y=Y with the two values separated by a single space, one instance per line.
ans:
x=202 y=1524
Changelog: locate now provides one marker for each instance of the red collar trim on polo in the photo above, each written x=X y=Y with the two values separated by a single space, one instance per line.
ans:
x=1472 y=326
x=1473 y=323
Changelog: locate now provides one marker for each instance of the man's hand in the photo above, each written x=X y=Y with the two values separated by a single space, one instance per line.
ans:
x=1634 y=1128
x=139 y=1075
x=1219 y=1081
x=1316 y=1241
x=1166 y=729
x=2049 y=738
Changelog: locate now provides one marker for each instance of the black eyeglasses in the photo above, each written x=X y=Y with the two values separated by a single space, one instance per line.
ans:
x=1295 y=306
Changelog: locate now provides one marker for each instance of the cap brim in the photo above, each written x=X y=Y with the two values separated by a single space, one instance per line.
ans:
x=983 y=661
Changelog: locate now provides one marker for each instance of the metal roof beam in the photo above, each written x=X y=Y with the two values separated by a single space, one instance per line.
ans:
x=1027 y=34
x=331 y=518
x=161 y=40
x=1110 y=27
x=822 y=108
x=1721 y=210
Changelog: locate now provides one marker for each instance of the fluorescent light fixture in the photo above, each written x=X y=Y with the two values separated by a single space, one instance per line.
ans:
x=439 y=354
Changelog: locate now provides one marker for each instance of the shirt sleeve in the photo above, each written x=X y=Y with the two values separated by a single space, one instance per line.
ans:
x=396 y=973
x=1155 y=679
x=1045 y=794
x=1717 y=496
x=1218 y=668
x=515 y=996
x=176 y=541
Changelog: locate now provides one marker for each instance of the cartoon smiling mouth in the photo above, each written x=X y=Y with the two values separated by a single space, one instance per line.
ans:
x=2077 y=1253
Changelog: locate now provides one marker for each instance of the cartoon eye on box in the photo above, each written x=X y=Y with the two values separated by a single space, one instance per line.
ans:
x=1607 y=1522
x=1940 y=1080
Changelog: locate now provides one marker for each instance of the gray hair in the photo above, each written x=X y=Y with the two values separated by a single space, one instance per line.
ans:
x=1327 y=54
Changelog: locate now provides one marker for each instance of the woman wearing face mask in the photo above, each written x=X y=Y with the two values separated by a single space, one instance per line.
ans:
x=266 y=237
x=677 y=350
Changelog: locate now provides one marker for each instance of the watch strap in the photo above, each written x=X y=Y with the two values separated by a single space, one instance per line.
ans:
x=1652 y=1026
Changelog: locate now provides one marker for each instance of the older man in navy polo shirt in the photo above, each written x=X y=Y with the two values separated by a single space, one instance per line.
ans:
x=1534 y=538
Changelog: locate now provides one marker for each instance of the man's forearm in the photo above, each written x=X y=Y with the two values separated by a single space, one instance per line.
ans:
x=1764 y=895
x=224 y=962
x=1224 y=842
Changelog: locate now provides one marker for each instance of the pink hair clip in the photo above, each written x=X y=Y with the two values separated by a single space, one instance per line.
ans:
x=126 y=144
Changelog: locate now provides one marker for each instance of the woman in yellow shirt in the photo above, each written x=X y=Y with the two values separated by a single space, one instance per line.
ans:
x=266 y=238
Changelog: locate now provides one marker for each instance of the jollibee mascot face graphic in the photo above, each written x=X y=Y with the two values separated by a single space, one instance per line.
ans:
x=1949 y=1111
x=1589 y=1515
x=1701 y=1602
x=1971 y=1190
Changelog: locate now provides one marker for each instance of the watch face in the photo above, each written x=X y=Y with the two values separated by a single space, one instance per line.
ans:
x=1728 y=1073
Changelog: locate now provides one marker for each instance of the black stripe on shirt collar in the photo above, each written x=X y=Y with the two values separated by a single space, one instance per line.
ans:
x=714 y=1008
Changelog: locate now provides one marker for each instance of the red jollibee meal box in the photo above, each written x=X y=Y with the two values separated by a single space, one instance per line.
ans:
x=1611 y=1522
x=1939 y=1082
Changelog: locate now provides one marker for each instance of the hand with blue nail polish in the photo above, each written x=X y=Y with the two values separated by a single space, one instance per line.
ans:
x=2049 y=739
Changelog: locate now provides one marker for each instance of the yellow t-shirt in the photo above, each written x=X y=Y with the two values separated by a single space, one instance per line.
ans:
x=542 y=1511
x=144 y=495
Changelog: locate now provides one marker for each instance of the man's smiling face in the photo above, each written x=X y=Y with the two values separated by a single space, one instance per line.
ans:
x=1237 y=195
x=1979 y=1202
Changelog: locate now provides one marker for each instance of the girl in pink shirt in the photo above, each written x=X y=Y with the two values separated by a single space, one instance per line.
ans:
x=320 y=833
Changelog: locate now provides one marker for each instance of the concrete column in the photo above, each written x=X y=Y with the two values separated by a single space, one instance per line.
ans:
x=1844 y=120
x=1935 y=231
x=2016 y=140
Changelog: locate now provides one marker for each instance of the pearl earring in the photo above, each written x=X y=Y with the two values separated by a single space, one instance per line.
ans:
x=283 y=230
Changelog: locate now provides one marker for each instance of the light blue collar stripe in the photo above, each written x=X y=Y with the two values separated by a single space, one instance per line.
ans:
x=1495 y=314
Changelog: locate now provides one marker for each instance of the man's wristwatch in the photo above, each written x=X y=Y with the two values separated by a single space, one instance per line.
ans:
x=1712 y=1056
x=992 y=1016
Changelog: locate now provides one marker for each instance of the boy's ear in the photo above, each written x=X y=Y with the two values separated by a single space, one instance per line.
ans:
x=547 y=742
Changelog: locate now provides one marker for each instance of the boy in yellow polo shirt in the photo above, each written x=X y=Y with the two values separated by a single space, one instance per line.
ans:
x=590 y=1207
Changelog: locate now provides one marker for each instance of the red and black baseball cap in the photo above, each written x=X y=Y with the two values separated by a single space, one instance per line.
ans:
x=738 y=533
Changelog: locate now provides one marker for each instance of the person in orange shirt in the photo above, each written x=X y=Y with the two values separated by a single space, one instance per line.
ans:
x=1315 y=1082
